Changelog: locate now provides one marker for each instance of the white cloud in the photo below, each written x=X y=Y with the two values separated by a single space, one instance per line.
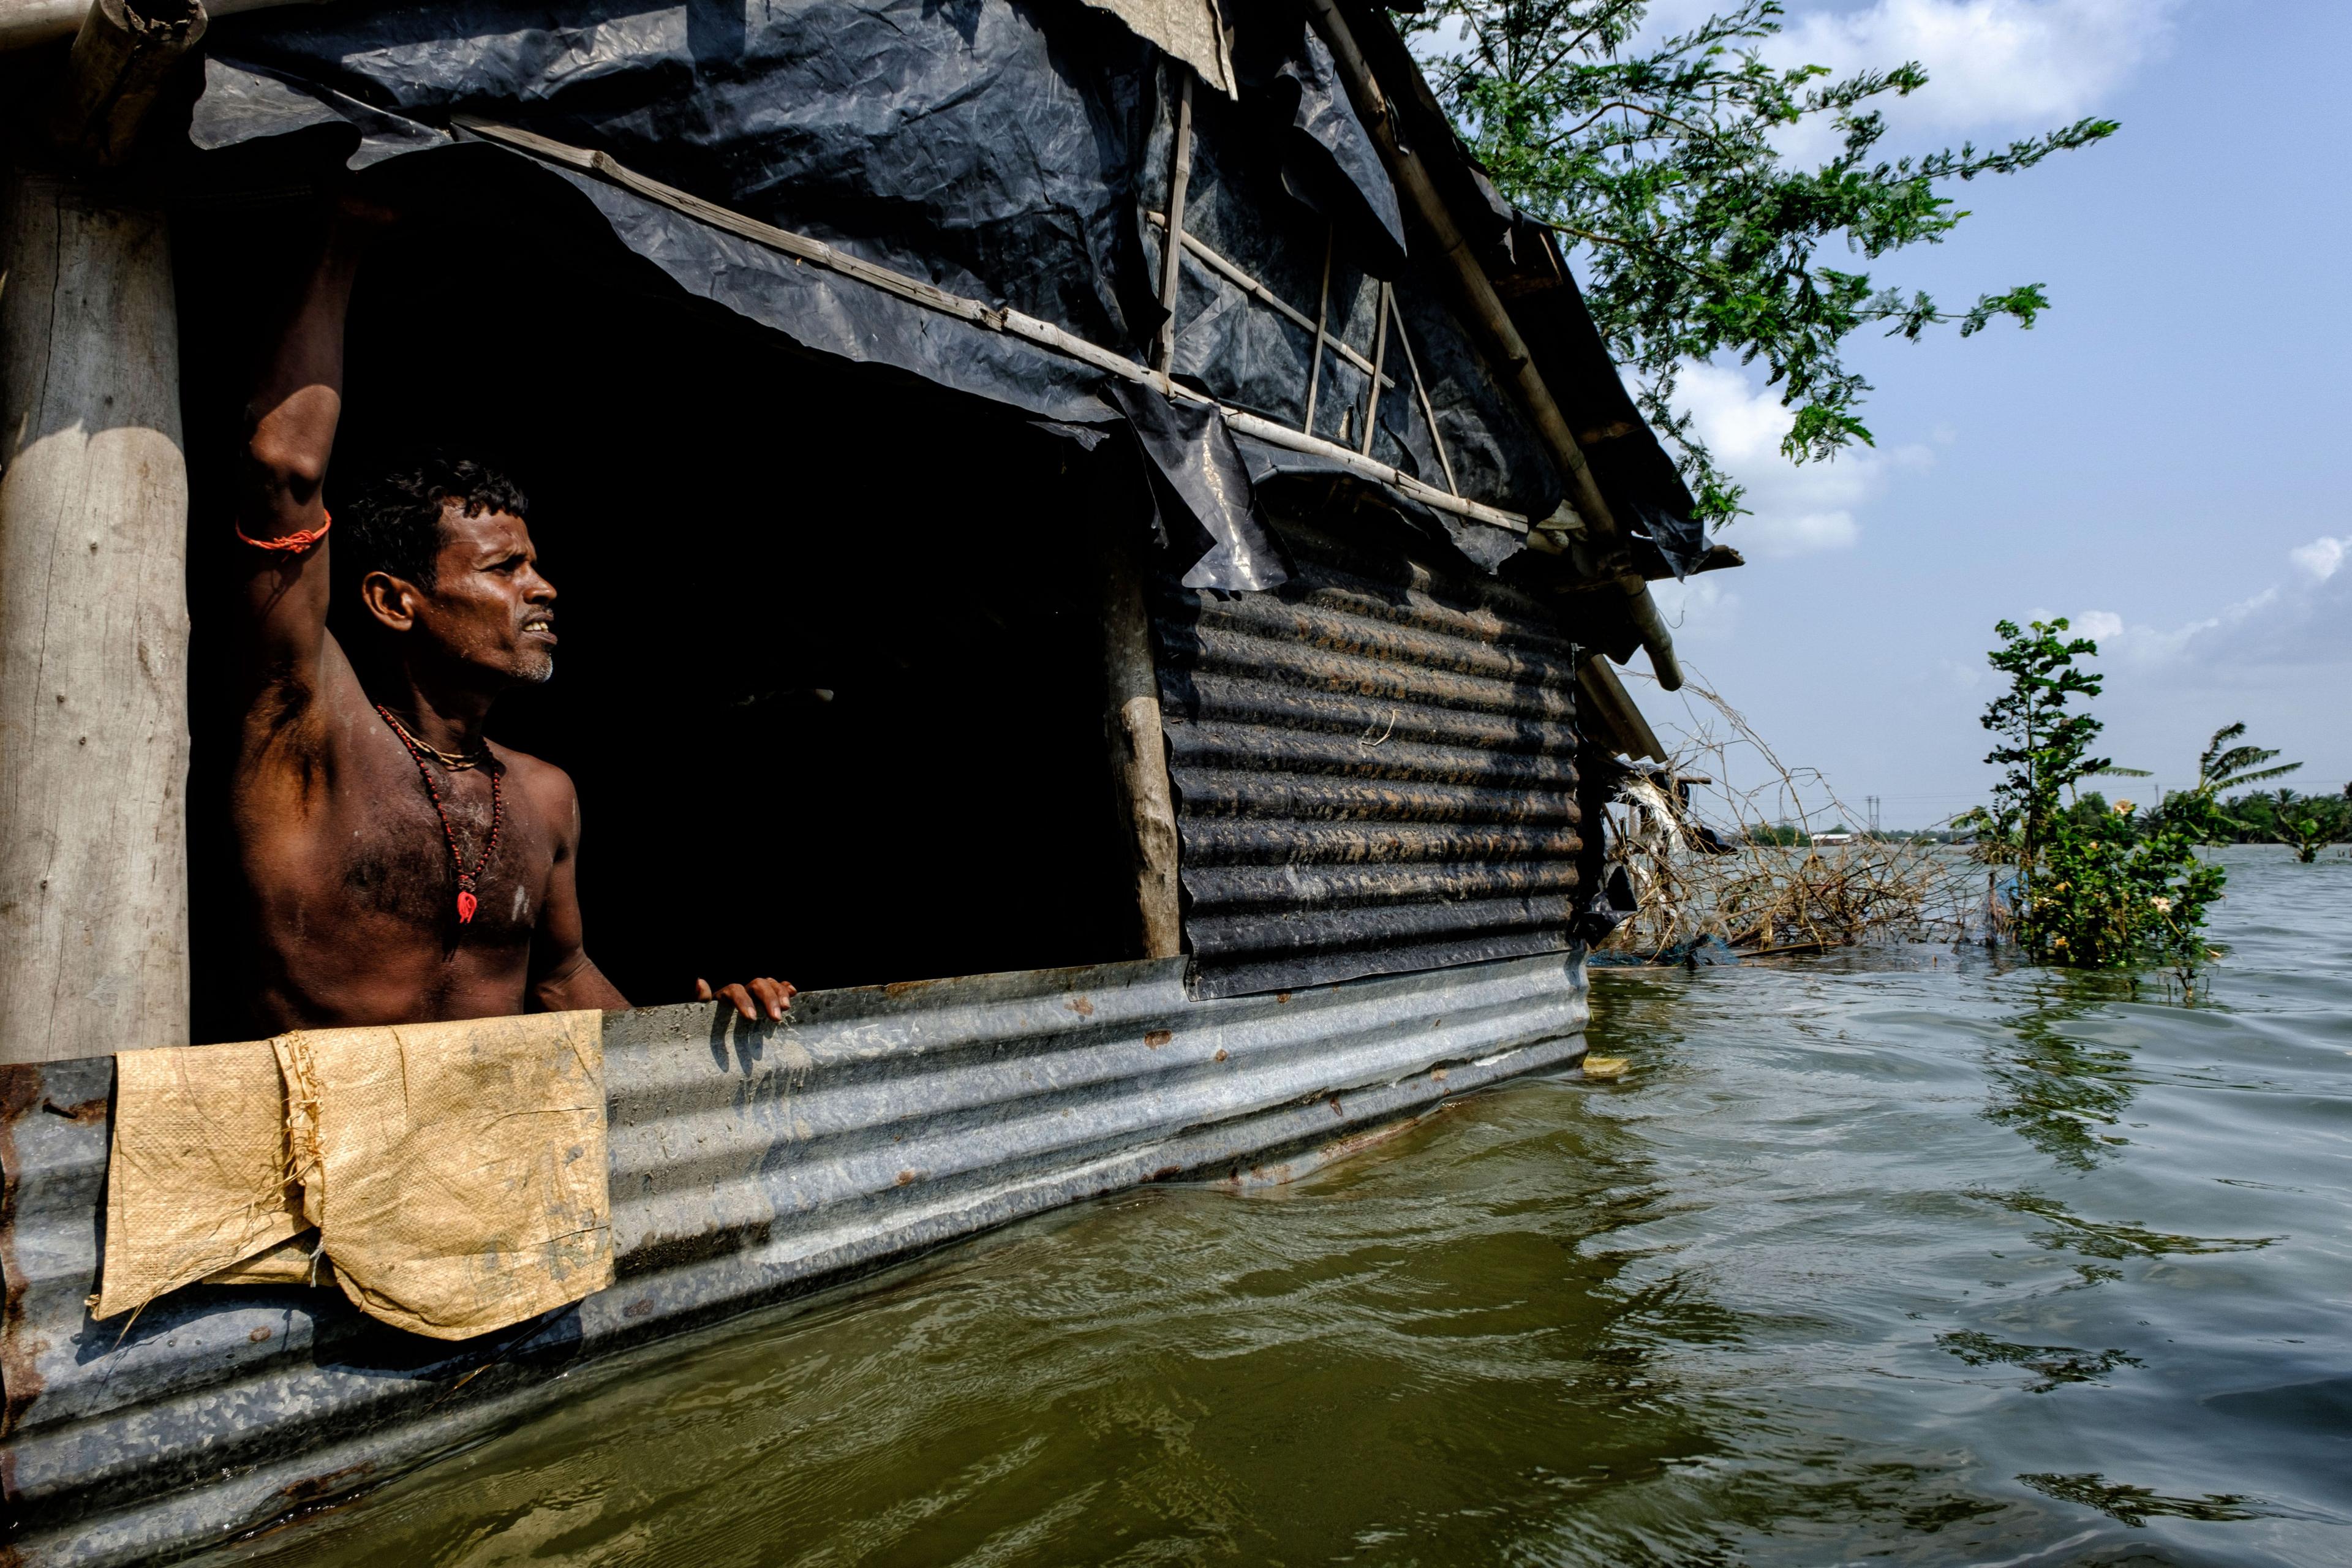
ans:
x=2322 y=558
x=1800 y=509
x=1992 y=65
x=2302 y=624
x=1995 y=67
x=1697 y=609
x=1964 y=675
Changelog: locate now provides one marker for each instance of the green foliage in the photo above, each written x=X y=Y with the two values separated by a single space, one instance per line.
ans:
x=2224 y=766
x=2280 y=817
x=2045 y=749
x=1703 y=238
x=2094 y=888
x=2307 y=823
x=2111 y=898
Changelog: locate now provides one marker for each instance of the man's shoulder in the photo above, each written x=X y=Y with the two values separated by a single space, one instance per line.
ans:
x=541 y=779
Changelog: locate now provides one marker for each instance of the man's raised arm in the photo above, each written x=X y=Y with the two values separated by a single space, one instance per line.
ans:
x=290 y=422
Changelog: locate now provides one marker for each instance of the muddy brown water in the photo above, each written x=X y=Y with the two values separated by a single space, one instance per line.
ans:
x=1913 y=1258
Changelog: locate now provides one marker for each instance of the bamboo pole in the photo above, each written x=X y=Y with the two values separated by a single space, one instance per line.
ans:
x=93 y=629
x=1014 y=324
x=1239 y=277
x=1322 y=332
x=1420 y=390
x=1171 y=246
x=1603 y=700
x=1380 y=363
x=1505 y=350
x=1139 y=757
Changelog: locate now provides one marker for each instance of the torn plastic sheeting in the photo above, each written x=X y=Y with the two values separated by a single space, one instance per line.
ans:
x=828 y=312
x=1004 y=168
x=1192 y=452
x=1328 y=161
x=762 y=120
x=244 y=103
x=1493 y=454
x=966 y=144
x=1482 y=544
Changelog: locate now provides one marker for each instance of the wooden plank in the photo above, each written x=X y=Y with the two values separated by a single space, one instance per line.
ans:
x=93 y=631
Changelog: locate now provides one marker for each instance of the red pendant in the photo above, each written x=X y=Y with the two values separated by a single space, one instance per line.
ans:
x=465 y=905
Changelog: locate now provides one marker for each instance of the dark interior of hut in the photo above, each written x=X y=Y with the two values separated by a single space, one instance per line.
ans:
x=829 y=684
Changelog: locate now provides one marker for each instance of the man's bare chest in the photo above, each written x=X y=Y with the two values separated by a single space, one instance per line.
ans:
x=381 y=851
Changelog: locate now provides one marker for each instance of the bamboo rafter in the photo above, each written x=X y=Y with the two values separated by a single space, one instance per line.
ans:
x=990 y=318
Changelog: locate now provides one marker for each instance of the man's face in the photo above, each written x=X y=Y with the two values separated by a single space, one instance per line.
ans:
x=489 y=610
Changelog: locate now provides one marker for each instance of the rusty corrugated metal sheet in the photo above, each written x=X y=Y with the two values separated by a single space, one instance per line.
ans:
x=749 y=1165
x=1374 y=770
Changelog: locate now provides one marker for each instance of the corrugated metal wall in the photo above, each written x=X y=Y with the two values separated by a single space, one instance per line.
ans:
x=1374 y=769
x=748 y=1163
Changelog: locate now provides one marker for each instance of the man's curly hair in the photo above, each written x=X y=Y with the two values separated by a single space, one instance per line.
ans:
x=393 y=524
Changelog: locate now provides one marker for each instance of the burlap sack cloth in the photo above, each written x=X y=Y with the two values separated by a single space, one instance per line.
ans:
x=455 y=1172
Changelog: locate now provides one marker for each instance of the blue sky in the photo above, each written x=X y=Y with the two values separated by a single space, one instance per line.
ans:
x=2161 y=459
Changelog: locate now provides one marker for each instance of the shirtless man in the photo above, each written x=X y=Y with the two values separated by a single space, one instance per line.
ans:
x=402 y=866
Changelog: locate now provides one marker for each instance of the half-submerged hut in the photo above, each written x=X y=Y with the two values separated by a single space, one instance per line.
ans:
x=918 y=394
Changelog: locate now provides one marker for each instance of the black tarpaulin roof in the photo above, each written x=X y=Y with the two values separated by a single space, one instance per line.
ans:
x=1014 y=154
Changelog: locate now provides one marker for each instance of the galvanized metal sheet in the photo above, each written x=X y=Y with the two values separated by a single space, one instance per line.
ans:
x=748 y=1163
x=1374 y=769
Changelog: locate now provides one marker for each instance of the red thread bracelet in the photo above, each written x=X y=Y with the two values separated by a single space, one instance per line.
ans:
x=292 y=542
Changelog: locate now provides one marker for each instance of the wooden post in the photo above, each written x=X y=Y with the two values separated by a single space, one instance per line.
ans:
x=1138 y=757
x=93 y=628
x=121 y=59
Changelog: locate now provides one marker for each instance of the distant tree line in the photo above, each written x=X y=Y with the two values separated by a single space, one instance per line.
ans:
x=2305 y=823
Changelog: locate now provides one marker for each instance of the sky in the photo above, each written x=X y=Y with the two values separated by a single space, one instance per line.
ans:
x=2161 y=459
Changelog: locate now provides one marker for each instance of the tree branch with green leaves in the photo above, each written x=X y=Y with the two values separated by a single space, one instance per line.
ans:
x=1701 y=236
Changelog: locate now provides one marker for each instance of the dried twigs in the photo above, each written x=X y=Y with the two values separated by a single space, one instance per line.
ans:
x=1711 y=859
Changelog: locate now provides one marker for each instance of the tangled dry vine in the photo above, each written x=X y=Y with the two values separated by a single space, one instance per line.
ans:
x=1746 y=864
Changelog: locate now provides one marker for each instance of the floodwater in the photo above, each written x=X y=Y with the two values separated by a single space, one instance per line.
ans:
x=1913 y=1259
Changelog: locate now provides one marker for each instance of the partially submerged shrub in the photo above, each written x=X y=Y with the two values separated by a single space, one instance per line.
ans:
x=2095 y=890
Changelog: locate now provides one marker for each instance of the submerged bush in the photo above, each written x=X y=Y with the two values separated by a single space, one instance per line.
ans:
x=2093 y=889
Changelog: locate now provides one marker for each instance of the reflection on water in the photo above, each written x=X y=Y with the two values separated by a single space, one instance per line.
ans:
x=2136 y=1505
x=1909 y=1259
x=2066 y=1095
x=2053 y=1364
